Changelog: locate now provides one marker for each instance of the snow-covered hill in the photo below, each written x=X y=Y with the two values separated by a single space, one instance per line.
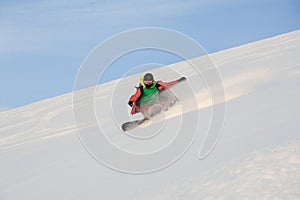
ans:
x=257 y=156
x=2 y=108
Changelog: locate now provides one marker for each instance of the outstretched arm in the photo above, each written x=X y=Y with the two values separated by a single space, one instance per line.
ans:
x=166 y=85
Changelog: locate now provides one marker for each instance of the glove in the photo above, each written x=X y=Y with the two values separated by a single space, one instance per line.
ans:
x=130 y=103
x=182 y=79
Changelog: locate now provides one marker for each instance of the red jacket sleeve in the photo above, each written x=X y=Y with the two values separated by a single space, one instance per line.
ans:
x=136 y=96
x=166 y=85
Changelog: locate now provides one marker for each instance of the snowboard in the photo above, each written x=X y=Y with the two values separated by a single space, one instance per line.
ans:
x=155 y=109
x=132 y=124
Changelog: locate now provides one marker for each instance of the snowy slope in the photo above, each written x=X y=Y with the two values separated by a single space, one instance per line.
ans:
x=2 y=108
x=42 y=156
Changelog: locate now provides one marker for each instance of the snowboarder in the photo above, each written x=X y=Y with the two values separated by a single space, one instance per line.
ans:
x=152 y=94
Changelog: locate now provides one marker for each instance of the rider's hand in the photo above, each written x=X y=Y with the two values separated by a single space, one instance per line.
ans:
x=182 y=79
x=130 y=103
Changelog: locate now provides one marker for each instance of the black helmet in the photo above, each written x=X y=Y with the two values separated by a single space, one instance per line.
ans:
x=148 y=77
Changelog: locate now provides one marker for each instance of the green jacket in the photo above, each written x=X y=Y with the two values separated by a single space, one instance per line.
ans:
x=150 y=95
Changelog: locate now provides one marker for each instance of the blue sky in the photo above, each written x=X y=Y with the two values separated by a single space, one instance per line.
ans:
x=43 y=43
